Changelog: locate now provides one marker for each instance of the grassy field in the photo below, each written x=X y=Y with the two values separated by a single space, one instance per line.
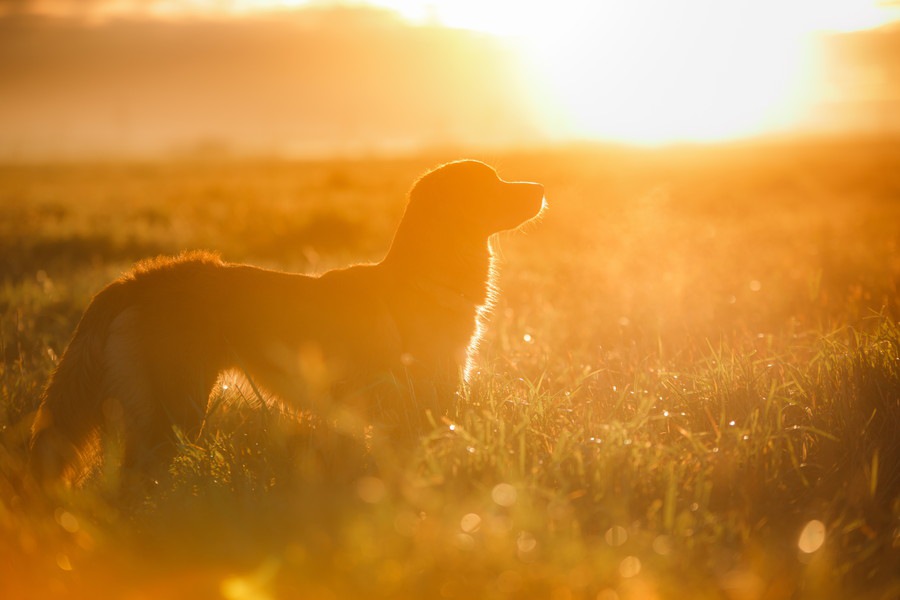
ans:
x=690 y=387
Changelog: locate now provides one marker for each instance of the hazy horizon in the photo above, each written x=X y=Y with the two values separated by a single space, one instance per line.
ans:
x=347 y=80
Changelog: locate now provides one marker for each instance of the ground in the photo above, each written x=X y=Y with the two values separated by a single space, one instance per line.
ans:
x=689 y=388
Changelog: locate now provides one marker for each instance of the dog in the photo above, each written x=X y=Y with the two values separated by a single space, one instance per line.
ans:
x=147 y=353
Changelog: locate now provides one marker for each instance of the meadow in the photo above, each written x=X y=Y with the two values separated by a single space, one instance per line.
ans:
x=690 y=387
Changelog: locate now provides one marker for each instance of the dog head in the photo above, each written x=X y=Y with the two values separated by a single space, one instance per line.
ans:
x=470 y=197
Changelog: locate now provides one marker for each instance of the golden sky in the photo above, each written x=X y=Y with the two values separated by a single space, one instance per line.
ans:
x=722 y=68
x=636 y=71
x=516 y=17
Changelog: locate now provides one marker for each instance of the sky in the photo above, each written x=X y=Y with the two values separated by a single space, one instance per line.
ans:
x=108 y=77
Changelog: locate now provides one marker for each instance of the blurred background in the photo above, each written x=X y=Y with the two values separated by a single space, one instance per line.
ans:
x=129 y=79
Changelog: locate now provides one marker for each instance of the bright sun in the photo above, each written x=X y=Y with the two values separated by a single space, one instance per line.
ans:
x=652 y=71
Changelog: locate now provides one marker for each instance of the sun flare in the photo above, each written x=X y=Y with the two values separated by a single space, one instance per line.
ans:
x=636 y=71
x=688 y=75
x=653 y=71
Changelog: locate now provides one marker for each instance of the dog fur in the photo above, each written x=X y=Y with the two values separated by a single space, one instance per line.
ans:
x=151 y=345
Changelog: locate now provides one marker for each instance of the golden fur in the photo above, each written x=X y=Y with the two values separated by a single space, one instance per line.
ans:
x=151 y=345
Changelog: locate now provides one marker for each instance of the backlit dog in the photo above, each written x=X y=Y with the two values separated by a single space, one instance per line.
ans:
x=151 y=345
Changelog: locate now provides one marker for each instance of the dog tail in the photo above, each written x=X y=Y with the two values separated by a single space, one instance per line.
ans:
x=72 y=403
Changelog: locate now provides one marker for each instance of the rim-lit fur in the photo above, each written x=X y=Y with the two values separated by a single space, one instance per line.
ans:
x=151 y=345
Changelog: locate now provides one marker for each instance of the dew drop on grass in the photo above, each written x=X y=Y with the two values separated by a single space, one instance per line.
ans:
x=67 y=521
x=470 y=523
x=62 y=561
x=662 y=545
x=616 y=536
x=527 y=338
x=525 y=542
x=812 y=537
x=504 y=494
x=731 y=423
x=665 y=413
x=370 y=490
x=629 y=567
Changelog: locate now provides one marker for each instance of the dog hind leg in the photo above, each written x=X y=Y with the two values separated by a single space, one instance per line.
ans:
x=154 y=383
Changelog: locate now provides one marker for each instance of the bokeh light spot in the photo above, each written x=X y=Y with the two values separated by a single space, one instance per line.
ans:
x=526 y=542
x=504 y=494
x=630 y=566
x=812 y=537
x=662 y=545
x=370 y=490
x=470 y=523
x=616 y=536
x=67 y=521
x=62 y=561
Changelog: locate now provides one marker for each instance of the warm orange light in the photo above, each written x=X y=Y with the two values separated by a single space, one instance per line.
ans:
x=652 y=71
x=639 y=71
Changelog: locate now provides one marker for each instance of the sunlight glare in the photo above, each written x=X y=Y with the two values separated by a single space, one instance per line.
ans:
x=648 y=72
x=637 y=71
x=653 y=71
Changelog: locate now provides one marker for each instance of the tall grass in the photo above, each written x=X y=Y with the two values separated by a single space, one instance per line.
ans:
x=690 y=388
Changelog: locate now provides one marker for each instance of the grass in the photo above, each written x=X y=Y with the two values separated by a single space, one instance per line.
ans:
x=690 y=387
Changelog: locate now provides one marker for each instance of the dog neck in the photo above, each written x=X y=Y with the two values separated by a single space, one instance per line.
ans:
x=443 y=261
